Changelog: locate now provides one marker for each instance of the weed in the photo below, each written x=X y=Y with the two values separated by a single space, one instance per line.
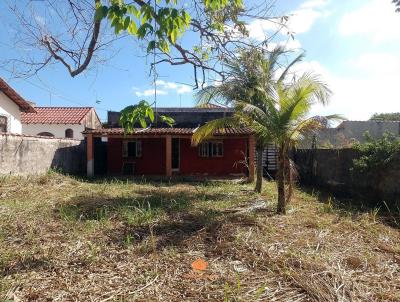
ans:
x=328 y=206
x=124 y=239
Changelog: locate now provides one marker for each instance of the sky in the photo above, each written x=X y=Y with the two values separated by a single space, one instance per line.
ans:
x=354 y=45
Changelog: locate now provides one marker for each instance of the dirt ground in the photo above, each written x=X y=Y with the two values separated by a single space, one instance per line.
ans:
x=68 y=239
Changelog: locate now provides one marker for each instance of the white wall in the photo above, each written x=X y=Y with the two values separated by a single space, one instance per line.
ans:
x=58 y=130
x=12 y=112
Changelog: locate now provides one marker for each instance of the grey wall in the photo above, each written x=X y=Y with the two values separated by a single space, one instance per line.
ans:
x=23 y=155
x=349 y=132
x=331 y=169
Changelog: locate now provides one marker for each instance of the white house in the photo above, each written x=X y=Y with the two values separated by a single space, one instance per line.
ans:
x=11 y=106
x=60 y=122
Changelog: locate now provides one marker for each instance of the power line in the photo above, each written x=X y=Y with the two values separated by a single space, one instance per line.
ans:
x=52 y=93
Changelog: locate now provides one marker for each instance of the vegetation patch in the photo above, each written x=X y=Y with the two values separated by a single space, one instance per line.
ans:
x=112 y=240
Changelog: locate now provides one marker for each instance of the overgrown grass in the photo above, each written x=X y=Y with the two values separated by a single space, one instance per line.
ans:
x=64 y=238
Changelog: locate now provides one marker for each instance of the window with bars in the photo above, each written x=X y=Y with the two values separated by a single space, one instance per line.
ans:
x=211 y=149
x=3 y=123
x=131 y=149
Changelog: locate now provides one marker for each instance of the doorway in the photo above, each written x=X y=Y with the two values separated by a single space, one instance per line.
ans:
x=175 y=154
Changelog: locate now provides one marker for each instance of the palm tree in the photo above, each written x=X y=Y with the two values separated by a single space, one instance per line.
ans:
x=251 y=80
x=277 y=110
x=286 y=120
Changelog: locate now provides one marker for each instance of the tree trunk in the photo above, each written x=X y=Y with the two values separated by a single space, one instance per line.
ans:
x=259 y=180
x=281 y=209
x=290 y=180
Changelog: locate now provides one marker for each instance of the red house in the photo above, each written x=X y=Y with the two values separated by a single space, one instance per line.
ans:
x=169 y=151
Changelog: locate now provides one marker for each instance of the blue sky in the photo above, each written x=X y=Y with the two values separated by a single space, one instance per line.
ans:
x=353 y=44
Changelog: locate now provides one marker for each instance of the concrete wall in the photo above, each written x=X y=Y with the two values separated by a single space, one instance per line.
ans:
x=11 y=110
x=331 y=169
x=23 y=155
x=349 y=132
x=58 y=130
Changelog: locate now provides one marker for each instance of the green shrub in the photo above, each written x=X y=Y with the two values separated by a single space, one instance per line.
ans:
x=377 y=155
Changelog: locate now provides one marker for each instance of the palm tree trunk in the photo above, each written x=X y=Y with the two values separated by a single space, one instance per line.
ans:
x=290 y=180
x=259 y=180
x=281 y=209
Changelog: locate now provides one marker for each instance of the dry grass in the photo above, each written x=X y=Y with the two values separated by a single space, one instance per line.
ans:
x=64 y=239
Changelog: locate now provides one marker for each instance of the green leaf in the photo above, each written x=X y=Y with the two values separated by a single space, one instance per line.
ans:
x=101 y=12
x=173 y=36
x=133 y=11
x=132 y=28
x=142 y=122
x=150 y=113
x=127 y=21
x=163 y=45
x=168 y=120
x=151 y=46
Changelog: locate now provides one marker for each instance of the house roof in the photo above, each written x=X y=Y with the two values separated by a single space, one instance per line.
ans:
x=212 y=106
x=15 y=97
x=168 y=131
x=184 y=117
x=56 y=115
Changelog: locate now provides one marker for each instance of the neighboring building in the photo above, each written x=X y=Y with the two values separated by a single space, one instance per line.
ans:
x=60 y=122
x=167 y=151
x=11 y=106
x=184 y=117
x=350 y=132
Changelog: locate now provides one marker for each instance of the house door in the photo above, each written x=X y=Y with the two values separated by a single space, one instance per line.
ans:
x=175 y=154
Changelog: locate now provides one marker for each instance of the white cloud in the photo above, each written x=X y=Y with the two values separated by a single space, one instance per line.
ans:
x=299 y=21
x=260 y=30
x=289 y=44
x=150 y=92
x=314 y=4
x=357 y=98
x=178 y=88
x=376 y=19
x=184 y=89
x=163 y=88
x=166 y=85
x=378 y=63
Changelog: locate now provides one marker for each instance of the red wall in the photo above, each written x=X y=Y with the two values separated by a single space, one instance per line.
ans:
x=152 y=161
x=234 y=151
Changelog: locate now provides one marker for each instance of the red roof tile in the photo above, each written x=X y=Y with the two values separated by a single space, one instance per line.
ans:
x=55 y=115
x=172 y=131
x=15 y=97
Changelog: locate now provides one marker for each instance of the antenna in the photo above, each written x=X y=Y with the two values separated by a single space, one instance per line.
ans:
x=154 y=67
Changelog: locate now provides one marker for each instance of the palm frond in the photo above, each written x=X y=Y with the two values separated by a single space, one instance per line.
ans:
x=208 y=129
x=298 y=59
x=319 y=90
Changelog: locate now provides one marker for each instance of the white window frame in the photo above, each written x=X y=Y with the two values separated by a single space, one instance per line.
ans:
x=217 y=149
x=211 y=149
x=203 y=149
x=138 y=146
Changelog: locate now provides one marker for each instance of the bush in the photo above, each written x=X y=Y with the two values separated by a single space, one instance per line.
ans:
x=377 y=155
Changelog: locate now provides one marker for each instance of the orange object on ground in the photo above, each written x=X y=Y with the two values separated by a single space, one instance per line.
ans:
x=199 y=264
